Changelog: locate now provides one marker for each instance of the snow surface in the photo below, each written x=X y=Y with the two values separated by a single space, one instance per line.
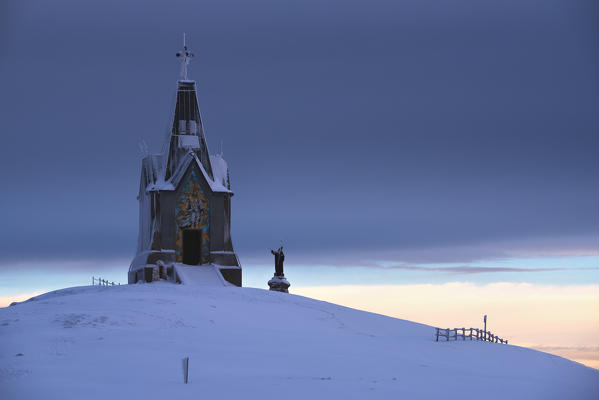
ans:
x=189 y=141
x=200 y=275
x=220 y=170
x=128 y=341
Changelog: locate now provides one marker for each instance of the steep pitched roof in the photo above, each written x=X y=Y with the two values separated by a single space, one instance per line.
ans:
x=187 y=133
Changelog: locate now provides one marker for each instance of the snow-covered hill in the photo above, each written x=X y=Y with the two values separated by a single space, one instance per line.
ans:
x=127 y=342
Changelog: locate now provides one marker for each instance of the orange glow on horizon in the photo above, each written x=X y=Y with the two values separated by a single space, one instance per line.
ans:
x=6 y=300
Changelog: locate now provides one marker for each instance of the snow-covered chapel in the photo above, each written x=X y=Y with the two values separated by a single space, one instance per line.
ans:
x=185 y=201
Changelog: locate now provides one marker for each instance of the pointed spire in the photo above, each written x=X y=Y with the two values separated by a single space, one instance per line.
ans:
x=187 y=132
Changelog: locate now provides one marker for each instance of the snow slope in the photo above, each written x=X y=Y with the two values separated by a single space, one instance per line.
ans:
x=204 y=275
x=128 y=341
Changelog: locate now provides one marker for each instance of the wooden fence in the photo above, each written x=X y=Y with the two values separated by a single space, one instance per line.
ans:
x=103 y=282
x=473 y=334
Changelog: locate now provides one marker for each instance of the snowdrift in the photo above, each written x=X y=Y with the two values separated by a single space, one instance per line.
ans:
x=127 y=342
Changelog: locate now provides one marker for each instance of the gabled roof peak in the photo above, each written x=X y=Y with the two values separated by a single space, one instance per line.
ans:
x=220 y=184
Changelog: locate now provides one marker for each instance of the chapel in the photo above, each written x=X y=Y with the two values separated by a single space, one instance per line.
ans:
x=184 y=201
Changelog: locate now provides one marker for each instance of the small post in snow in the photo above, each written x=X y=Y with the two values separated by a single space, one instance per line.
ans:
x=186 y=369
x=485 y=320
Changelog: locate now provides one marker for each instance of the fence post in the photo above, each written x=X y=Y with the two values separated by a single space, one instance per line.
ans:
x=185 y=369
x=485 y=319
x=437 y=334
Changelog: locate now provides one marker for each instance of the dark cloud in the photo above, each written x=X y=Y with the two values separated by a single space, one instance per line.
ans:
x=349 y=127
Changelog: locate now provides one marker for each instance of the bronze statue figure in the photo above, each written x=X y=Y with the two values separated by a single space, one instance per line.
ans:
x=279 y=259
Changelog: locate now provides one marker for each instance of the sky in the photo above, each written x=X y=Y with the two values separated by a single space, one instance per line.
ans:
x=440 y=150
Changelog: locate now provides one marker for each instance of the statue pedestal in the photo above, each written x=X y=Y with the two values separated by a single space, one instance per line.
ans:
x=279 y=284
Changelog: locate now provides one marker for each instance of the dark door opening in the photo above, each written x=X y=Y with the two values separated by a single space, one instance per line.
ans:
x=192 y=246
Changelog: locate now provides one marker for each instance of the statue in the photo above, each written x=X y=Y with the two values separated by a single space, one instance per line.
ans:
x=279 y=259
x=278 y=282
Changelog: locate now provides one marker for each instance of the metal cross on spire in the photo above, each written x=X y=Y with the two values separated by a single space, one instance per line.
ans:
x=185 y=56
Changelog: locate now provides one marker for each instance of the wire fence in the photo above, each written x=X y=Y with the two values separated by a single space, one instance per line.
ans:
x=103 y=282
x=473 y=334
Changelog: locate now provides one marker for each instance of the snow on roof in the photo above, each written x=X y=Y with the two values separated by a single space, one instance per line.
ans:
x=219 y=184
x=220 y=170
